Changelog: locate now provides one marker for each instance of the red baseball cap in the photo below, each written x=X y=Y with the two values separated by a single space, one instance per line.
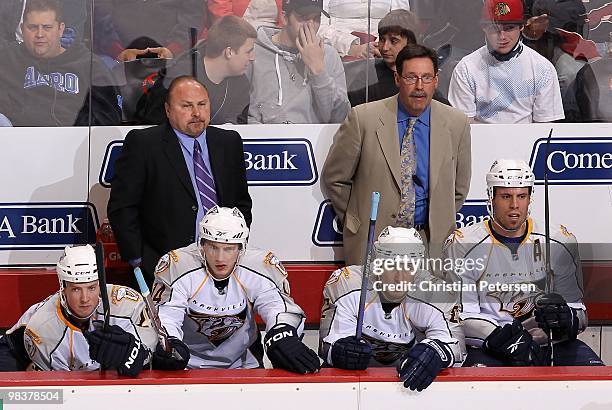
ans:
x=502 y=12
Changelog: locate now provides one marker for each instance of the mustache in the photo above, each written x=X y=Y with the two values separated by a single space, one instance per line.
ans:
x=418 y=94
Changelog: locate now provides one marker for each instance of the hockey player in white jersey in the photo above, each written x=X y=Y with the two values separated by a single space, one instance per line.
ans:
x=64 y=332
x=393 y=317
x=500 y=264
x=209 y=292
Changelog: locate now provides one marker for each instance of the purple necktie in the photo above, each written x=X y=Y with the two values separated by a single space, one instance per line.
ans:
x=204 y=181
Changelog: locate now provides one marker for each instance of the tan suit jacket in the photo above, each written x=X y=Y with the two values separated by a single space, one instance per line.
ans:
x=365 y=157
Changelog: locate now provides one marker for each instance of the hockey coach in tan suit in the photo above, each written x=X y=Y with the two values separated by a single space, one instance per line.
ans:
x=423 y=177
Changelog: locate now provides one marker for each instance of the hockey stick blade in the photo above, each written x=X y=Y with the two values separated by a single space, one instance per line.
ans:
x=366 y=265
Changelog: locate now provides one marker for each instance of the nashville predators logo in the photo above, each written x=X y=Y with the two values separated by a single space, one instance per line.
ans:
x=30 y=341
x=218 y=328
x=518 y=304
x=565 y=232
x=119 y=293
x=501 y=9
x=335 y=277
x=454 y=315
x=272 y=260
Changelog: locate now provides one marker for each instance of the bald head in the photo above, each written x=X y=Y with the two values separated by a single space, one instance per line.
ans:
x=188 y=106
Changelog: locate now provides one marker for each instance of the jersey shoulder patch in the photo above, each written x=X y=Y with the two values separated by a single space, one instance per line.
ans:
x=122 y=294
x=176 y=263
x=342 y=281
x=266 y=263
x=31 y=341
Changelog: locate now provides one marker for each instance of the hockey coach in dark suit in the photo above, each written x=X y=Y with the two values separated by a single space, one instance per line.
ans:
x=168 y=176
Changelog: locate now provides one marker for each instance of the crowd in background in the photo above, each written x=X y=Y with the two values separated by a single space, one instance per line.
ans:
x=108 y=62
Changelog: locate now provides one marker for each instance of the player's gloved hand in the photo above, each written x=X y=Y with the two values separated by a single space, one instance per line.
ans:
x=286 y=351
x=512 y=343
x=420 y=365
x=350 y=353
x=553 y=314
x=116 y=349
x=163 y=360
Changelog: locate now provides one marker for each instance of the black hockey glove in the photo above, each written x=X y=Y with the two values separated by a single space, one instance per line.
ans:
x=286 y=351
x=513 y=344
x=117 y=349
x=163 y=360
x=420 y=365
x=350 y=353
x=553 y=314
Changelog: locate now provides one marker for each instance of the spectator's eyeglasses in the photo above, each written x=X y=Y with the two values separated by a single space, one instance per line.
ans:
x=412 y=79
x=498 y=28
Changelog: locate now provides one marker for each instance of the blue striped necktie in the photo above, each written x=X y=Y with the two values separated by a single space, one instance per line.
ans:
x=204 y=180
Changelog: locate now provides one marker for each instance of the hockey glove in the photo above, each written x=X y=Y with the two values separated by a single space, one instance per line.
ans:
x=350 y=353
x=163 y=360
x=117 y=349
x=420 y=365
x=286 y=351
x=553 y=314
x=513 y=344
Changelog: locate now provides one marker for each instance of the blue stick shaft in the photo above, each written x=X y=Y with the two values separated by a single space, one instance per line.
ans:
x=368 y=261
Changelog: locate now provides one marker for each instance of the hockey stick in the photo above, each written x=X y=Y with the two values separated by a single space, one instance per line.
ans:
x=193 y=35
x=155 y=322
x=368 y=261
x=102 y=283
x=549 y=297
x=549 y=272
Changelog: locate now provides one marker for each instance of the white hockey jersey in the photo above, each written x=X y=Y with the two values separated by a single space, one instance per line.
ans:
x=53 y=343
x=499 y=284
x=219 y=325
x=390 y=333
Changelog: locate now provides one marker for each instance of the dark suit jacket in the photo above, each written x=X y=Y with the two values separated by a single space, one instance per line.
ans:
x=152 y=206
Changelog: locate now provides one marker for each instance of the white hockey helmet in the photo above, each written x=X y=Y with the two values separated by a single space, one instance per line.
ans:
x=76 y=265
x=394 y=242
x=225 y=225
x=508 y=173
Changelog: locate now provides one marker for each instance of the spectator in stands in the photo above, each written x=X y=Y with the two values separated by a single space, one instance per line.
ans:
x=48 y=85
x=503 y=81
x=449 y=23
x=127 y=29
x=552 y=30
x=256 y=12
x=594 y=89
x=227 y=54
x=75 y=16
x=345 y=25
x=296 y=78
x=599 y=22
x=396 y=30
